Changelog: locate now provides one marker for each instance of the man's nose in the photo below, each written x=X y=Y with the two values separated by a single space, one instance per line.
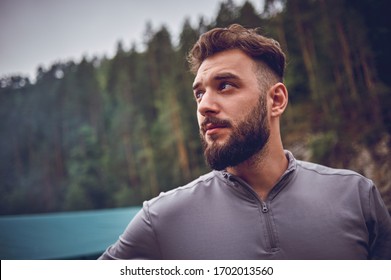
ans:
x=208 y=105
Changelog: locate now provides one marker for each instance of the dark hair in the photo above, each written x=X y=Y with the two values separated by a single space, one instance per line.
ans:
x=249 y=41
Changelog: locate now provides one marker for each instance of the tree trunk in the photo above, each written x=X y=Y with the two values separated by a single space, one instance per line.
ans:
x=308 y=51
x=177 y=127
x=347 y=59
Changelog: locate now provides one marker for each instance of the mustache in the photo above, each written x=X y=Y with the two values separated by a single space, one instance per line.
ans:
x=215 y=122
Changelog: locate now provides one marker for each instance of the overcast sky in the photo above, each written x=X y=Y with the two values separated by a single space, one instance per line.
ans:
x=41 y=32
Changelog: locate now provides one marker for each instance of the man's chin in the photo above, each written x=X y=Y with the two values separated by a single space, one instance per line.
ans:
x=216 y=156
x=215 y=141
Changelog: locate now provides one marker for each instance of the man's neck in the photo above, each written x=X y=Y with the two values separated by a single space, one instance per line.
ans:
x=262 y=171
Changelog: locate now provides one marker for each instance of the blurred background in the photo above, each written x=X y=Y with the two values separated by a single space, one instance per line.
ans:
x=109 y=125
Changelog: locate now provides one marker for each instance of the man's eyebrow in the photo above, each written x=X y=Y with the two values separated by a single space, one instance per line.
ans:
x=226 y=76
x=196 y=85
x=219 y=77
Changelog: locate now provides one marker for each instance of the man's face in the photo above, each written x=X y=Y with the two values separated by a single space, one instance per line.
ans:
x=232 y=111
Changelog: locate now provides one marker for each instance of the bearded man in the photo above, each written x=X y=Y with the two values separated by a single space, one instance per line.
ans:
x=259 y=202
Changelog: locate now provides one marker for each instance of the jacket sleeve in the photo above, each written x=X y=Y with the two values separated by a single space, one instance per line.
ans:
x=379 y=227
x=138 y=240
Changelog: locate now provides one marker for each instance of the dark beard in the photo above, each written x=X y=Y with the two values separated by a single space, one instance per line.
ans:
x=248 y=138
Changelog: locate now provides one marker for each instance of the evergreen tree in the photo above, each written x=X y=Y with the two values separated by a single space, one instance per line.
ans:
x=113 y=132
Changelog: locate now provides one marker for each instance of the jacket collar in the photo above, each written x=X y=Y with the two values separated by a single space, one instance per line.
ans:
x=289 y=173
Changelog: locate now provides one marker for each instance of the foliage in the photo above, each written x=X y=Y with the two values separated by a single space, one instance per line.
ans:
x=113 y=132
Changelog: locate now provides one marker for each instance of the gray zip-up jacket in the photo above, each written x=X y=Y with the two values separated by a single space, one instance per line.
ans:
x=313 y=212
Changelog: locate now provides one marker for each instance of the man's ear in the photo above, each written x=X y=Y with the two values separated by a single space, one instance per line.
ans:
x=279 y=98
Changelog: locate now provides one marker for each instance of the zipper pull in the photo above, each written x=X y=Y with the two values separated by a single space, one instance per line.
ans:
x=227 y=175
x=264 y=208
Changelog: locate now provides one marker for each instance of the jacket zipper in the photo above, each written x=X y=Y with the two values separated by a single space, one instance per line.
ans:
x=265 y=209
x=269 y=226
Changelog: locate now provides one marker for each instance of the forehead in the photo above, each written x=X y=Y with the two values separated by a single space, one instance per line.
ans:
x=231 y=61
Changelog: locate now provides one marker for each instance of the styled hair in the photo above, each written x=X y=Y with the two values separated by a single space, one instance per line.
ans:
x=256 y=46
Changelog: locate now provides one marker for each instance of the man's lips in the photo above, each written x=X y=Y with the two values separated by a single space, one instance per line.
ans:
x=210 y=126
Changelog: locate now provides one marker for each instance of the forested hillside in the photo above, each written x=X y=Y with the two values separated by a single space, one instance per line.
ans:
x=113 y=132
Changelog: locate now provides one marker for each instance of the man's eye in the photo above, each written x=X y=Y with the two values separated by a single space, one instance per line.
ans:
x=225 y=85
x=198 y=95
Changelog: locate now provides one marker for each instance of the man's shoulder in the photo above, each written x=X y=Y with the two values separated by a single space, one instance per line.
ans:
x=191 y=190
x=337 y=174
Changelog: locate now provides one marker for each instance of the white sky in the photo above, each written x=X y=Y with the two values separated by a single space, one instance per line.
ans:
x=42 y=32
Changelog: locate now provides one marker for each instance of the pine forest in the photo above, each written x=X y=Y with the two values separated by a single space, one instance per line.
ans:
x=114 y=132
